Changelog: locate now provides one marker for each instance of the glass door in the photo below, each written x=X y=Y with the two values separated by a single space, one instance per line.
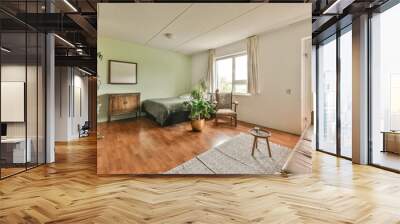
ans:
x=326 y=105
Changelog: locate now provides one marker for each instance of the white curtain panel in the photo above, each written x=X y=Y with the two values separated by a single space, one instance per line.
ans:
x=252 y=66
x=210 y=71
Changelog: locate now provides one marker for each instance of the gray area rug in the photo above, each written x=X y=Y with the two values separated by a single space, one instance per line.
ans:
x=234 y=157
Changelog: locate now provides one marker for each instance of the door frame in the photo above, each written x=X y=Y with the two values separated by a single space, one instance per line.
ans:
x=306 y=83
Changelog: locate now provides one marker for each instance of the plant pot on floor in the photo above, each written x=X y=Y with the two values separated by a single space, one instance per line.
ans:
x=198 y=124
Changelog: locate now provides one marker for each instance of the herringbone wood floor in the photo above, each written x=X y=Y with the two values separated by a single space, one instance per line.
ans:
x=71 y=192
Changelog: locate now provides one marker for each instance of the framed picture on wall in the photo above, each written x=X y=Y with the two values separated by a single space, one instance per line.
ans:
x=121 y=72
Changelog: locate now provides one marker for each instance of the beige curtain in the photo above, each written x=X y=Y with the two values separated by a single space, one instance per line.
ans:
x=210 y=71
x=252 y=65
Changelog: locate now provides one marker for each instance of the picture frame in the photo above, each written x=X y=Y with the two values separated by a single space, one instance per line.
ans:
x=122 y=72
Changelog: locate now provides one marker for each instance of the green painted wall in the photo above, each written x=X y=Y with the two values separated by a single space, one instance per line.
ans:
x=161 y=73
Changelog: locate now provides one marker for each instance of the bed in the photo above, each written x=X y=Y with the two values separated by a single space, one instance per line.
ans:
x=166 y=111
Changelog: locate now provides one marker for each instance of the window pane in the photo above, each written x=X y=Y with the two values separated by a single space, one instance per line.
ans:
x=346 y=94
x=240 y=88
x=31 y=101
x=13 y=81
x=394 y=102
x=224 y=74
x=327 y=97
x=241 y=67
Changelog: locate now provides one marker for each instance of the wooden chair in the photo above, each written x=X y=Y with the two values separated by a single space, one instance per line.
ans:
x=225 y=107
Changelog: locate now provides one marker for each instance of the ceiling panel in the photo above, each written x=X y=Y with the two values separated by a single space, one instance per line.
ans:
x=136 y=22
x=195 y=27
x=197 y=20
x=262 y=19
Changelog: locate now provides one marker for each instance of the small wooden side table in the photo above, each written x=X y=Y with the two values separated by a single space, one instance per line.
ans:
x=263 y=134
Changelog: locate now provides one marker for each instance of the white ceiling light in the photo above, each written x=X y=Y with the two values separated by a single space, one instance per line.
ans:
x=70 y=5
x=168 y=35
x=337 y=7
x=79 y=51
x=5 y=50
x=84 y=71
x=64 y=40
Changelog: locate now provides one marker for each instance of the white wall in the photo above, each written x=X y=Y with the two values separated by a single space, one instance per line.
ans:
x=199 y=67
x=34 y=124
x=278 y=105
x=66 y=121
x=17 y=73
x=80 y=82
x=61 y=103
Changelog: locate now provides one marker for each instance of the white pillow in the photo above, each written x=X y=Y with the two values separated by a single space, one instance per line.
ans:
x=185 y=96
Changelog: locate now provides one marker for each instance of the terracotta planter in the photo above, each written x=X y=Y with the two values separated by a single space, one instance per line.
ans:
x=198 y=125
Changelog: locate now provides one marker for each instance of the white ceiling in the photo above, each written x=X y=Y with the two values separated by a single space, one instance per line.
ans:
x=195 y=26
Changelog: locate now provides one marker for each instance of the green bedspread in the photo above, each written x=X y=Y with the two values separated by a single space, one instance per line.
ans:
x=161 y=108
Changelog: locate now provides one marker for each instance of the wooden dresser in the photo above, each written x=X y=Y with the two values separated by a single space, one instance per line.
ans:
x=391 y=141
x=123 y=103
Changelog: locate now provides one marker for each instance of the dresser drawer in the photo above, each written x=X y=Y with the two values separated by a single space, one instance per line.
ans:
x=120 y=104
x=130 y=103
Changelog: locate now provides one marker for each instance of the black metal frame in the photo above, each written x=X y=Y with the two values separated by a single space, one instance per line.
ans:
x=0 y=90
x=30 y=29
x=369 y=114
x=317 y=97
x=338 y=98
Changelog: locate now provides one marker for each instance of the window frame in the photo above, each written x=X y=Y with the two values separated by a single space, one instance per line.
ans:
x=234 y=81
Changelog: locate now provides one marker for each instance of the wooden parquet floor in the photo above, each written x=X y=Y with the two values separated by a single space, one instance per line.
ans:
x=69 y=191
x=141 y=146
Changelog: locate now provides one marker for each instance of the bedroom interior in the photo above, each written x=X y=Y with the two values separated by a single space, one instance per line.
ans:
x=181 y=70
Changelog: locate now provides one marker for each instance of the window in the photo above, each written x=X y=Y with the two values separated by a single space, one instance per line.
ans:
x=334 y=107
x=327 y=96
x=346 y=93
x=231 y=73
x=385 y=89
x=394 y=102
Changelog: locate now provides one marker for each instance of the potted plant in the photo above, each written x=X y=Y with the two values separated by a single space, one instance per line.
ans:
x=200 y=109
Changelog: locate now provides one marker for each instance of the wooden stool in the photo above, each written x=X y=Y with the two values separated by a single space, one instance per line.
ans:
x=263 y=134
